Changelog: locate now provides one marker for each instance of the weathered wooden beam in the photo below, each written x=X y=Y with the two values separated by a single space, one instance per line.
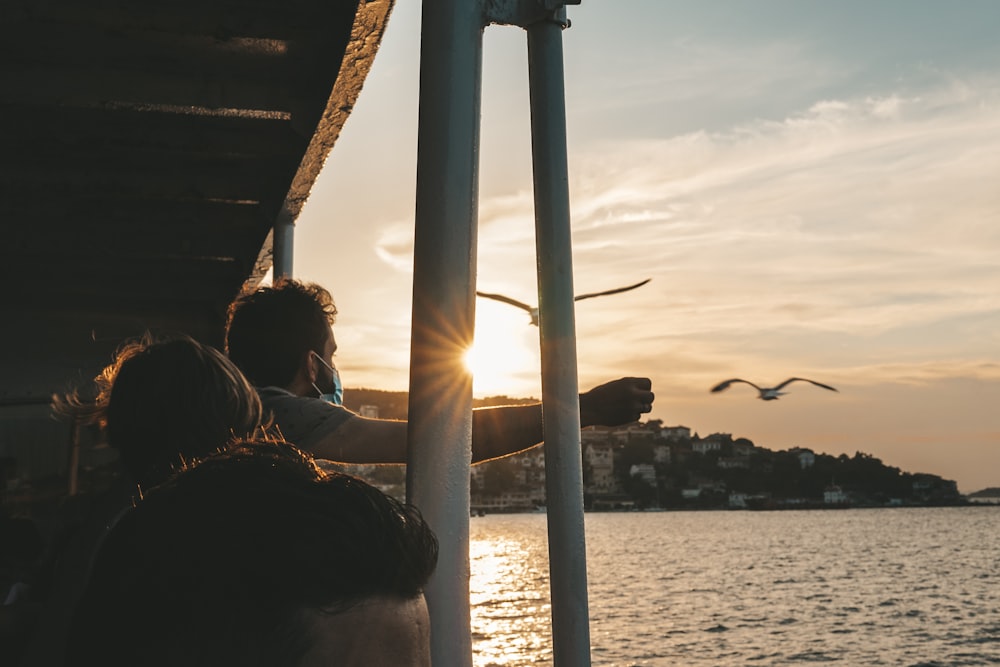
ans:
x=274 y=19
x=40 y=126
x=115 y=278
x=126 y=172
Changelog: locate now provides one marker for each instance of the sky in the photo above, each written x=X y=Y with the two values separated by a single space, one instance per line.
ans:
x=811 y=187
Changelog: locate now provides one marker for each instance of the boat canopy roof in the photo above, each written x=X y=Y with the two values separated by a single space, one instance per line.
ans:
x=148 y=149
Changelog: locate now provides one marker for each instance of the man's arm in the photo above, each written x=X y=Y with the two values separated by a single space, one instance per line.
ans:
x=501 y=431
x=496 y=432
x=617 y=402
x=363 y=440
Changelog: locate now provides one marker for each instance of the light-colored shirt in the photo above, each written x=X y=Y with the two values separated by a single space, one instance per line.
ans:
x=303 y=421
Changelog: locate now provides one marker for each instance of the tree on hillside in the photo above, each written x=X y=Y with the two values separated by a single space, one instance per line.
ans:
x=499 y=475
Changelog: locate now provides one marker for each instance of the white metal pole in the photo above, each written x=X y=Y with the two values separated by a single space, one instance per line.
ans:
x=444 y=272
x=282 y=245
x=557 y=325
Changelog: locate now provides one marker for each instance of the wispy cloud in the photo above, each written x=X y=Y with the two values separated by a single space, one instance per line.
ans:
x=861 y=231
x=394 y=246
x=884 y=193
x=850 y=226
x=695 y=79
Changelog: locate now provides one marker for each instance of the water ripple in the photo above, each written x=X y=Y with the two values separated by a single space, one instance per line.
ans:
x=899 y=587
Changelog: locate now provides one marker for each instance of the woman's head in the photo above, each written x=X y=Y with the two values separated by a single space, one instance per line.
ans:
x=166 y=401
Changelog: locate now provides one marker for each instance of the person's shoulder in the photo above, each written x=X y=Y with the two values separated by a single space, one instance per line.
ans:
x=279 y=399
x=302 y=419
x=274 y=393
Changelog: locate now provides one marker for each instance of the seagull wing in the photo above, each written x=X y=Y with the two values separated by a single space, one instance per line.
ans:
x=722 y=386
x=506 y=299
x=612 y=291
x=818 y=384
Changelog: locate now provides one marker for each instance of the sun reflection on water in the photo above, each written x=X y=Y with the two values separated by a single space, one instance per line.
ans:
x=859 y=587
x=510 y=596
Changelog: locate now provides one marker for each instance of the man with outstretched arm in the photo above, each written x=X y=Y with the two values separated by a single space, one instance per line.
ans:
x=282 y=338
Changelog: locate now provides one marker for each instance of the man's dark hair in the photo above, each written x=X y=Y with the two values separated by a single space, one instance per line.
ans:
x=222 y=564
x=164 y=401
x=271 y=329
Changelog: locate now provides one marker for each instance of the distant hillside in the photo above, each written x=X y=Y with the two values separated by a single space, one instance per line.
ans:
x=655 y=466
x=393 y=404
x=647 y=465
x=991 y=492
x=390 y=404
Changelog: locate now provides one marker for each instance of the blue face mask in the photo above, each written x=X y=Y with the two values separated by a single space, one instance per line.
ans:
x=331 y=391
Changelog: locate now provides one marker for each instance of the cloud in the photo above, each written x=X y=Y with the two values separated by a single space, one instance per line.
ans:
x=855 y=238
x=394 y=246
x=922 y=373
x=693 y=78
x=849 y=203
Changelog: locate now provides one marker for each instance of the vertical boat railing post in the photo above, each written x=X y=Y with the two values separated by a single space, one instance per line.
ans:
x=282 y=245
x=74 y=459
x=557 y=326
x=444 y=275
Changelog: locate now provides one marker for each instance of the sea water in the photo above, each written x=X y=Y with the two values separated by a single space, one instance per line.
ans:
x=901 y=587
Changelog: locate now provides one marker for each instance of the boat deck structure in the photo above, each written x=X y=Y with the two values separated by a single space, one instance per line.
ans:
x=148 y=151
x=153 y=160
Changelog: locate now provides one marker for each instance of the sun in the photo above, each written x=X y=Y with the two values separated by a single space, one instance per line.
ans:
x=504 y=358
x=482 y=362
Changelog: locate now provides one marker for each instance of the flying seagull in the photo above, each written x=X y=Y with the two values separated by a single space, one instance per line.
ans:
x=769 y=393
x=533 y=310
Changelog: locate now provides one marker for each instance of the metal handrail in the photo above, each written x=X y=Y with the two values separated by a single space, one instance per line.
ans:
x=444 y=277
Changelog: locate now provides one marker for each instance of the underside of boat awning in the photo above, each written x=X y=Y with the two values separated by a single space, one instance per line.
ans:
x=147 y=151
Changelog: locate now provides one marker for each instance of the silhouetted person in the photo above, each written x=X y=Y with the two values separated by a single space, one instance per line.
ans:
x=164 y=401
x=161 y=402
x=255 y=557
x=282 y=338
x=21 y=547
